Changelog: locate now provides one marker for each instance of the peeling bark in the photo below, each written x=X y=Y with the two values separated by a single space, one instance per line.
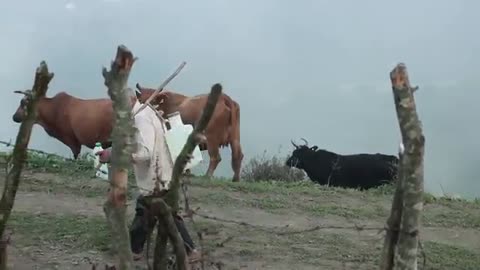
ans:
x=3 y=253
x=160 y=259
x=40 y=87
x=166 y=227
x=412 y=169
x=122 y=137
x=393 y=222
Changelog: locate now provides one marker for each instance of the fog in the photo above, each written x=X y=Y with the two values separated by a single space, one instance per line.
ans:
x=312 y=69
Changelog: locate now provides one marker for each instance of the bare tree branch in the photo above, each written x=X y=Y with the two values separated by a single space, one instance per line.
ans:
x=122 y=135
x=193 y=140
x=166 y=226
x=164 y=207
x=160 y=260
x=190 y=212
x=19 y=156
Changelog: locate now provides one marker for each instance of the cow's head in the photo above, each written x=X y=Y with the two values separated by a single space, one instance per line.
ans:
x=144 y=93
x=300 y=155
x=21 y=111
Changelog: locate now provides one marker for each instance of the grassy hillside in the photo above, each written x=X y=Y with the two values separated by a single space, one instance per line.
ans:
x=58 y=222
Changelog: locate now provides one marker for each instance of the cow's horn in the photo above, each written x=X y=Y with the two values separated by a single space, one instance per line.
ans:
x=296 y=146
x=19 y=92
x=138 y=86
x=306 y=143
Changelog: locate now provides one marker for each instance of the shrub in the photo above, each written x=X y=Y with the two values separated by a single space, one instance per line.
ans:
x=273 y=168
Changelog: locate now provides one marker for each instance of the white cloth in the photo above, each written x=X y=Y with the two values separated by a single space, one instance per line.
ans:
x=152 y=159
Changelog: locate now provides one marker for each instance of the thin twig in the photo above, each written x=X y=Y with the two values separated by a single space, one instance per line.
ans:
x=160 y=88
x=189 y=212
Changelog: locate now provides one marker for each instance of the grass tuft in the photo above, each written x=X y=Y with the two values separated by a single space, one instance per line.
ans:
x=73 y=231
x=271 y=168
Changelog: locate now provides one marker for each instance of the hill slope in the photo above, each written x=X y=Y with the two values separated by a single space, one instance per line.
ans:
x=58 y=221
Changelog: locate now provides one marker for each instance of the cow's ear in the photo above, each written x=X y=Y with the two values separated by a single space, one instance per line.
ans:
x=314 y=148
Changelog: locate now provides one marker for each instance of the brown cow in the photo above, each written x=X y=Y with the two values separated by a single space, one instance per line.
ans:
x=73 y=121
x=222 y=130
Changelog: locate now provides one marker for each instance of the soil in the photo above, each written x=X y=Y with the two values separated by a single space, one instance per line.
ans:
x=257 y=245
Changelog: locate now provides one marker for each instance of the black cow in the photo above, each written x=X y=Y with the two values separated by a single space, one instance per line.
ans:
x=362 y=171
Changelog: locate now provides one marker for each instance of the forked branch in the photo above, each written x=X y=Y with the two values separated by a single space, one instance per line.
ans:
x=193 y=140
x=164 y=209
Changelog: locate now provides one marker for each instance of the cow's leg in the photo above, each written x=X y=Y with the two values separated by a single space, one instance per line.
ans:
x=215 y=158
x=237 y=157
x=76 y=150
x=75 y=146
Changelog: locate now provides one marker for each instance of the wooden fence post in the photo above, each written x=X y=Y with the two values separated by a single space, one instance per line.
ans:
x=409 y=194
x=122 y=136
x=19 y=156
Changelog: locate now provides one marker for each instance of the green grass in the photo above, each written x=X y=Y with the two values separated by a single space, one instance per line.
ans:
x=442 y=256
x=83 y=166
x=55 y=174
x=75 y=177
x=448 y=218
x=270 y=203
x=73 y=231
x=342 y=211
x=315 y=247
x=52 y=163
x=63 y=175
x=320 y=201
x=57 y=164
x=279 y=188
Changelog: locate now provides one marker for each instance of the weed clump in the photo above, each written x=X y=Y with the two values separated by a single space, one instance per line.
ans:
x=273 y=168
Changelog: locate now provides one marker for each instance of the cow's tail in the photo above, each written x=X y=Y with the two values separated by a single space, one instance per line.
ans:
x=233 y=126
x=234 y=135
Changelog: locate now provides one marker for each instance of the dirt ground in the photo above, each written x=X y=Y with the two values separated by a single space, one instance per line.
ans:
x=58 y=223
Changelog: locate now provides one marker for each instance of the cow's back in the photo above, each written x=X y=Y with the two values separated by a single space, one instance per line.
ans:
x=367 y=170
x=191 y=110
x=91 y=120
x=57 y=116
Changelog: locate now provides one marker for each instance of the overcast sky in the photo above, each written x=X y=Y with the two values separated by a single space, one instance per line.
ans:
x=314 y=69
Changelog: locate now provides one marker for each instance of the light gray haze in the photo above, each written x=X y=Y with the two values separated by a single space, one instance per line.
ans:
x=314 y=69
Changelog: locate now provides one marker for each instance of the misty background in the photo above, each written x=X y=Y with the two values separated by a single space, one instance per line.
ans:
x=314 y=69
